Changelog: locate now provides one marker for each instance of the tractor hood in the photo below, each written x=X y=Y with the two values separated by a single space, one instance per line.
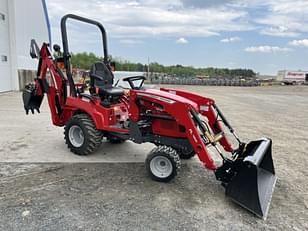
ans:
x=167 y=96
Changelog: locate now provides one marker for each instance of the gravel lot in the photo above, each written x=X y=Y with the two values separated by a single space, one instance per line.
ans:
x=45 y=187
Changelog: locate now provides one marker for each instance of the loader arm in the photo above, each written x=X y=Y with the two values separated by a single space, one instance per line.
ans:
x=206 y=108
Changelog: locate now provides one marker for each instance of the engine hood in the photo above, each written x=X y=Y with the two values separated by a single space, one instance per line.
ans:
x=163 y=95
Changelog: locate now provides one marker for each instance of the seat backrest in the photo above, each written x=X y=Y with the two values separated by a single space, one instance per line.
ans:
x=100 y=76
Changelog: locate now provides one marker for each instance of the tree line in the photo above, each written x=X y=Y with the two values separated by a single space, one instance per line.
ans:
x=85 y=60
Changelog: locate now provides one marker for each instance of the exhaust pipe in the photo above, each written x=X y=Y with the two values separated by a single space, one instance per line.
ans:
x=250 y=179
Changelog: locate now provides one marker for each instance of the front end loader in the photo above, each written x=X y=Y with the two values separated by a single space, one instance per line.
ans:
x=181 y=124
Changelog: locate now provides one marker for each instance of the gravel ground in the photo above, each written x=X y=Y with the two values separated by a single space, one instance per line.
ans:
x=112 y=194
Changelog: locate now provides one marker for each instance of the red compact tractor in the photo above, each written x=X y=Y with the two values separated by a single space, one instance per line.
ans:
x=181 y=124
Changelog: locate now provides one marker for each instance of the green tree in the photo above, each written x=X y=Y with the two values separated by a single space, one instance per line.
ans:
x=85 y=61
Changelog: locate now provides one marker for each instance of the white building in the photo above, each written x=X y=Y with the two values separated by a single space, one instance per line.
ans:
x=20 y=21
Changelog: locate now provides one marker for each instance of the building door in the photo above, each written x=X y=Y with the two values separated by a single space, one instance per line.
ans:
x=5 y=69
x=306 y=77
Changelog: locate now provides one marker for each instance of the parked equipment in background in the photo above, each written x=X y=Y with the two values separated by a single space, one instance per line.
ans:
x=148 y=115
x=292 y=77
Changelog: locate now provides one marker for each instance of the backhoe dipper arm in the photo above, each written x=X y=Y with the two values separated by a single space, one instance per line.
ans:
x=54 y=87
x=208 y=109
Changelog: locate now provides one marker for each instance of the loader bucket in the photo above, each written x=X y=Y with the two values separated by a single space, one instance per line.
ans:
x=31 y=100
x=253 y=184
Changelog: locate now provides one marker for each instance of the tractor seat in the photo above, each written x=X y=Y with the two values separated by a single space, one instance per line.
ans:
x=101 y=83
x=114 y=91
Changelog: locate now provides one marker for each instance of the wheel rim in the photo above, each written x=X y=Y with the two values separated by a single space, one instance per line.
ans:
x=161 y=166
x=75 y=135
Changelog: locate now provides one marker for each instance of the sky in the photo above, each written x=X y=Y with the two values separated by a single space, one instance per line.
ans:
x=264 y=35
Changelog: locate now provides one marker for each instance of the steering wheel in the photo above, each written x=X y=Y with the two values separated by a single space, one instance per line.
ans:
x=131 y=80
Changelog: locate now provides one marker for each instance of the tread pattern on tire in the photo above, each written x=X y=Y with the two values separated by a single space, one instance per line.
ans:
x=93 y=136
x=170 y=152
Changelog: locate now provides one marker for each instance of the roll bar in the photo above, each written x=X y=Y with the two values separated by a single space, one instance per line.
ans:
x=66 y=54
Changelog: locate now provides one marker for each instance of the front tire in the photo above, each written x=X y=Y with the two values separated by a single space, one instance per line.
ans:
x=163 y=163
x=81 y=135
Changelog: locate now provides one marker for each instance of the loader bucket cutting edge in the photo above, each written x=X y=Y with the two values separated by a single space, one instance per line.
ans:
x=253 y=185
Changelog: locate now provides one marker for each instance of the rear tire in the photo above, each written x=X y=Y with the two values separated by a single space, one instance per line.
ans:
x=81 y=135
x=163 y=163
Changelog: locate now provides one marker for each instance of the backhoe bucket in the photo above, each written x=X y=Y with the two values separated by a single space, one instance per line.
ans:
x=253 y=185
x=31 y=100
